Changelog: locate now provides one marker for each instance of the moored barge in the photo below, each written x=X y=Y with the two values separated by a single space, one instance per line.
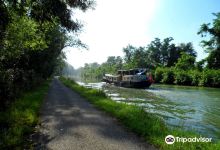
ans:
x=133 y=78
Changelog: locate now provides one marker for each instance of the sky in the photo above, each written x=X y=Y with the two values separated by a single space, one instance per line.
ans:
x=114 y=24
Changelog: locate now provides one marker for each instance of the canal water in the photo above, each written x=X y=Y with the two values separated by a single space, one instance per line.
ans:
x=191 y=108
x=201 y=107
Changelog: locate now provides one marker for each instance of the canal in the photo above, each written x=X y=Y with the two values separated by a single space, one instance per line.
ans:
x=190 y=108
x=201 y=107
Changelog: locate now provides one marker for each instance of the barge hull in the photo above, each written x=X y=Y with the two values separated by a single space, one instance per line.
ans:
x=129 y=84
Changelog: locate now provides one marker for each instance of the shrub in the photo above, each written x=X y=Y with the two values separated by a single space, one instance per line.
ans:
x=158 y=76
x=168 y=76
x=210 y=78
x=182 y=78
x=195 y=76
x=216 y=78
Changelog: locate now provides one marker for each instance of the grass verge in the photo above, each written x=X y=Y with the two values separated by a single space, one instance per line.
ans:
x=147 y=125
x=19 y=120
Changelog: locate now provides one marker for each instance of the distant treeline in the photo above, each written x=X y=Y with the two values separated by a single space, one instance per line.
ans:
x=169 y=63
x=32 y=36
x=206 y=77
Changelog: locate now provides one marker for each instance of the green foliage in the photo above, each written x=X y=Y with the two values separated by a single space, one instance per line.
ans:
x=196 y=77
x=161 y=54
x=207 y=77
x=135 y=118
x=164 y=53
x=200 y=65
x=46 y=10
x=20 y=118
x=164 y=75
x=159 y=74
x=157 y=53
x=185 y=62
x=32 y=36
x=128 y=51
x=23 y=35
x=212 y=46
x=4 y=17
x=95 y=72
x=182 y=78
x=91 y=72
x=135 y=57
x=213 y=59
x=30 y=53
x=210 y=78
x=168 y=76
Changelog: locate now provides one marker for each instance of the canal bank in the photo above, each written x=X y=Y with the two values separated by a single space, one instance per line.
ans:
x=201 y=107
x=191 y=108
x=138 y=120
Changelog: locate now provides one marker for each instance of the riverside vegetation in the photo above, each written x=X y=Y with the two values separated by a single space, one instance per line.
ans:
x=206 y=77
x=169 y=63
x=21 y=117
x=147 y=125
x=33 y=34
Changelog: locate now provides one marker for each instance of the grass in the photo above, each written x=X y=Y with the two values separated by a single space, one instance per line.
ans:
x=147 y=125
x=19 y=120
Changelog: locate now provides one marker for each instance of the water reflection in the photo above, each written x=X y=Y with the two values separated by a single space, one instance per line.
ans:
x=188 y=107
x=204 y=101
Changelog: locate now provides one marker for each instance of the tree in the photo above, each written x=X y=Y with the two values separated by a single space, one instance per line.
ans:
x=164 y=50
x=200 y=64
x=136 y=57
x=4 y=20
x=140 y=59
x=154 y=53
x=186 y=62
x=187 y=48
x=157 y=53
x=162 y=53
x=113 y=64
x=212 y=46
x=32 y=36
x=173 y=55
x=129 y=50
x=166 y=54
x=46 y=10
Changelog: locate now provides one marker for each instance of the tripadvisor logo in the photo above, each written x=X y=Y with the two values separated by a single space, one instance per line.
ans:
x=169 y=139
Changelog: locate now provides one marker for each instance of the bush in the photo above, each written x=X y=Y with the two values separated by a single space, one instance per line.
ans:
x=182 y=78
x=196 y=76
x=17 y=122
x=210 y=78
x=158 y=76
x=216 y=78
x=168 y=76
x=164 y=75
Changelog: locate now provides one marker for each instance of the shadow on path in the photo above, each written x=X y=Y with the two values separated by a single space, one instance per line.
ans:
x=68 y=121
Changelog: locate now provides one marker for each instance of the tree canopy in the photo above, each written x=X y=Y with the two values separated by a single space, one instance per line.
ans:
x=33 y=34
x=212 y=46
x=157 y=53
x=170 y=63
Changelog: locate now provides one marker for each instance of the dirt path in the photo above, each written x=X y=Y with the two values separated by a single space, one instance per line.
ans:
x=69 y=122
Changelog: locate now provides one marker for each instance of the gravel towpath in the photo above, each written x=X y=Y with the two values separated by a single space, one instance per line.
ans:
x=69 y=122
